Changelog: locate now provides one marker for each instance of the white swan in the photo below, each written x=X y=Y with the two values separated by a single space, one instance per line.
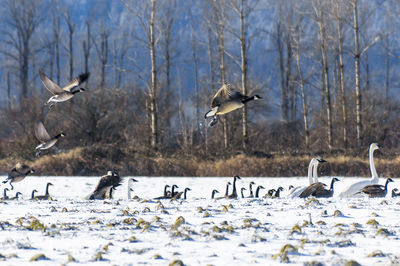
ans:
x=129 y=187
x=312 y=177
x=350 y=190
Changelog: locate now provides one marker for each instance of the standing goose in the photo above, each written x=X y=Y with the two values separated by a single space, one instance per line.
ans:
x=179 y=194
x=130 y=189
x=165 y=196
x=5 y=197
x=44 y=137
x=241 y=191
x=173 y=192
x=63 y=94
x=213 y=193
x=18 y=173
x=376 y=191
x=227 y=100
x=227 y=189
x=318 y=190
x=395 y=193
x=312 y=177
x=234 y=192
x=46 y=196
x=271 y=192
x=251 y=189
x=107 y=182
x=278 y=192
x=258 y=190
x=354 y=188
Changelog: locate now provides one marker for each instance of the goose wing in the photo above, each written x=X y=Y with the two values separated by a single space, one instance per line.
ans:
x=76 y=82
x=49 y=84
x=225 y=93
x=41 y=132
x=22 y=168
x=373 y=189
x=311 y=189
x=108 y=181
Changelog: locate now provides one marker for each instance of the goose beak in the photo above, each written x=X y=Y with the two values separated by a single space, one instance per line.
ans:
x=322 y=160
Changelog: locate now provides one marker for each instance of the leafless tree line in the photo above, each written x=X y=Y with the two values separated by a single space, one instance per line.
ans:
x=326 y=71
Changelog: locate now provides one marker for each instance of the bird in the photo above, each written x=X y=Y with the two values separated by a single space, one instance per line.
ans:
x=107 y=182
x=278 y=192
x=376 y=190
x=234 y=192
x=46 y=196
x=312 y=177
x=318 y=190
x=18 y=173
x=173 y=192
x=16 y=196
x=227 y=100
x=129 y=186
x=33 y=194
x=63 y=94
x=179 y=194
x=251 y=189
x=258 y=190
x=241 y=191
x=354 y=188
x=395 y=193
x=5 y=197
x=213 y=193
x=46 y=141
x=165 y=196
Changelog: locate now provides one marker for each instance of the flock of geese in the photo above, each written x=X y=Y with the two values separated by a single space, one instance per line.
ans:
x=224 y=101
x=109 y=182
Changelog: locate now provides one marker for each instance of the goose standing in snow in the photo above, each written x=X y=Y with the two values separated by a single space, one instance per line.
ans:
x=16 y=197
x=33 y=194
x=46 y=141
x=227 y=100
x=166 y=194
x=258 y=190
x=5 y=197
x=251 y=189
x=318 y=190
x=234 y=192
x=179 y=194
x=46 y=196
x=376 y=191
x=312 y=177
x=107 y=182
x=18 y=173
x=130 y=189
x=241 y=191
x=278 y=192
x=354 y=188
x=63 y=94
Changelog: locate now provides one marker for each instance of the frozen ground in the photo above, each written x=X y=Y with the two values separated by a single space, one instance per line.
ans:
x=198 y=231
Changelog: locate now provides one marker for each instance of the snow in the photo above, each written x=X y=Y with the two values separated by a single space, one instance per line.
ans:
x=252 y=231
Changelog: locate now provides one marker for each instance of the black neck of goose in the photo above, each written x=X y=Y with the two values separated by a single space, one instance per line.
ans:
x=165 y=190
x=332 y=182
x=386 y=184
x=258 y=191
x=184 y=194
x=58 y=136
x=47 y=189
x=278 y=193
x=251 y=190
x=5 y=193
x=241 y=192
x=76 y=91
x=33 y=194
x=227 y=189
x=213 y=194
x=172 y=191
x=234 y=187
x=248 y=99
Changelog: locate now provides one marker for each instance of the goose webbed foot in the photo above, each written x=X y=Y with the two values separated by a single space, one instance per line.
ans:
x=214 y=121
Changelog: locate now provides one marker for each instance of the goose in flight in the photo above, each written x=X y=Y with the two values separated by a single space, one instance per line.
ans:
x=18 y=173
x=312 y=177
x=65 y=93
x=107 y=182
x=46 y=141
x=227 y=100
x=354 y=188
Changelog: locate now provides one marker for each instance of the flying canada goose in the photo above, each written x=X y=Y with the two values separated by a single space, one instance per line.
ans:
x=213 y=193
x=278 y=192
x=312 y=177
x=318 y=190
x=63 y=94
x=241 y=191
x=16 y=196
x=395 y=193
x=258 y=190
x=251 y=189
x=106 y=183
x=227 y=100
x=130 y=189
x=46 y=196
x=44 y=137
x=18 y=173
x=376 y=191
x=33 y=194
x=165 y=196
x=5 y=197
x=234 y=192
x=354 y=188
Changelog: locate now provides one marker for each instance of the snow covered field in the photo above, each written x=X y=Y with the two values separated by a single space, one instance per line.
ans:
x=198 y=231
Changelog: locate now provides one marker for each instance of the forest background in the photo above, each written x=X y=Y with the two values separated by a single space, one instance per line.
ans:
x=327 y=71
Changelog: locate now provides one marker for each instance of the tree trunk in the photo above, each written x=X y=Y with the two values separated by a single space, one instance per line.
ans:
x=357 y=73
x=342 y=85
x=153 y=90
x=243 y=67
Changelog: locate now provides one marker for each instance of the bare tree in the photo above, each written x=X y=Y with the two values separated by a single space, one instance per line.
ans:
x=102 y=51
x=87 y=46
x=71 y=29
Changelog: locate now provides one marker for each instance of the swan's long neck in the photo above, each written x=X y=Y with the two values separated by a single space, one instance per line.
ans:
x=315 y=171
x=310 y=172
x=374 y=174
